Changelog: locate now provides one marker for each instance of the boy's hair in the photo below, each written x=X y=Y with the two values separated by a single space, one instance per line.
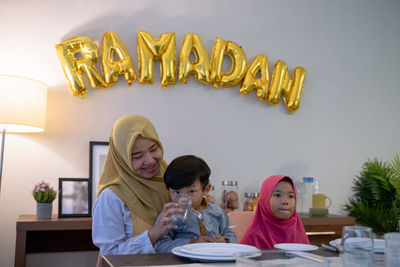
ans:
x=184 y=170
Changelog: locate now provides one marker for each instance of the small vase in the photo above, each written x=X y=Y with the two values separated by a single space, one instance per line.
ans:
x=44 y=210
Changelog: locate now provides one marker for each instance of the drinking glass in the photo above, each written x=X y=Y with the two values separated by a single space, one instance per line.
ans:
x=392 y=249
x=185 y=204
x=357 y=246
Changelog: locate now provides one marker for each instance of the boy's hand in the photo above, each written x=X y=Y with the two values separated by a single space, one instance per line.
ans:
x=219 y=239
x=202 y=239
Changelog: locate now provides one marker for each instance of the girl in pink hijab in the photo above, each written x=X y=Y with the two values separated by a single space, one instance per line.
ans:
x=276 y=220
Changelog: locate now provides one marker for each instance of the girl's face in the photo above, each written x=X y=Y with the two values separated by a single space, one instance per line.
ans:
x=146 y=157
x=282 y=201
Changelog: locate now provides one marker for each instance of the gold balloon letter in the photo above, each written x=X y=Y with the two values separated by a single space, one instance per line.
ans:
x=238 y=68
x=291 y=89
x=200 y=66
x=250 y=81
x=111 y=69
x=149 y=50
x=79 y=55
x=292 y=99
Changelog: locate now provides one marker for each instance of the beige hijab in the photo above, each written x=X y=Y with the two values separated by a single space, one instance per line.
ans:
x=144 y=197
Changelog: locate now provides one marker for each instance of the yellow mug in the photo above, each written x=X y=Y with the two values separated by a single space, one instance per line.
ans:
x=319 y=201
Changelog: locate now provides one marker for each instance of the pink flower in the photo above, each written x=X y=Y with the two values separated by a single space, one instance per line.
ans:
x=43 y=192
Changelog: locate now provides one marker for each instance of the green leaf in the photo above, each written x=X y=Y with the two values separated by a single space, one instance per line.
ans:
x=46 y=196
x=379 y=219
x=394 y=177
x=376 y=199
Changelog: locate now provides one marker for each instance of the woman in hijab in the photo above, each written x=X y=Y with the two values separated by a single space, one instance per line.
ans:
x=276 y=220
x=131 y=191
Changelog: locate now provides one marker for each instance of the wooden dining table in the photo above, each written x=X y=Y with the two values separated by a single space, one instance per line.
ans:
x=174 y=260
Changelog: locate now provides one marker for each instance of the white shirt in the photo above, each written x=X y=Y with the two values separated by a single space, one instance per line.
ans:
x=112 y=227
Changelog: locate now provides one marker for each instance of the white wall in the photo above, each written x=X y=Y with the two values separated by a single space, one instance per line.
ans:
x=348 y=111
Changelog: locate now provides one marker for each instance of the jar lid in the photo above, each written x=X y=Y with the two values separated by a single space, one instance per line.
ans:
x=251 y=194
x=308 y=179
x=226 y=182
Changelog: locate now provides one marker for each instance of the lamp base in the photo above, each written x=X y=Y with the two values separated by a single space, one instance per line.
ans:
x=3 y=137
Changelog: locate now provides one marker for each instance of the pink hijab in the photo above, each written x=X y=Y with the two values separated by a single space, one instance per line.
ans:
x=265 y=229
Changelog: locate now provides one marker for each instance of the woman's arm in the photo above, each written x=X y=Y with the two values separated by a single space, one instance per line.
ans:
x=112 y=227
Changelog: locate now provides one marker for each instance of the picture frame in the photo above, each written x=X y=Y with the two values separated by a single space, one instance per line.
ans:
x=97 y=156
x=74 y=197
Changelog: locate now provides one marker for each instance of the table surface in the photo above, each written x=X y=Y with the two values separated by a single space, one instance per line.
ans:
x=171 y=259
x=51 y=235
x=31 y=223
x=74 y=234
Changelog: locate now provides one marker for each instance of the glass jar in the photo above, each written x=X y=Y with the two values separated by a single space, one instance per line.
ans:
x=250 y=202
x=230 y=196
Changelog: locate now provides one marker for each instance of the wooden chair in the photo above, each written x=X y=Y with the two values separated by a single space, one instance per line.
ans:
x=99 y=261
x=240 y=220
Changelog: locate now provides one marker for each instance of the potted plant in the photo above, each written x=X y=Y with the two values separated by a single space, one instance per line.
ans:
x=376 y=200
x=44 y=195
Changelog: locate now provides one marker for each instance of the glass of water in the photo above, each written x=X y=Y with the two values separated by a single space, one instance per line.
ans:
x=185 y=204
x=357 y=246
x=392 y=250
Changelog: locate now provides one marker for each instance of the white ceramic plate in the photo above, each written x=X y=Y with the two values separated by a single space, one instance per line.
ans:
x=379 y=244
x=295 y=247
x=218 y=249
x=177 y=251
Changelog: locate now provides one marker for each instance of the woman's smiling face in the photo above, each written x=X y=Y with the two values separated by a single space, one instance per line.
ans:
x=146 y=157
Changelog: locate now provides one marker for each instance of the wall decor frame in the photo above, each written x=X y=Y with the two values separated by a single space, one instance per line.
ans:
x=97 y=156
x=74 y=197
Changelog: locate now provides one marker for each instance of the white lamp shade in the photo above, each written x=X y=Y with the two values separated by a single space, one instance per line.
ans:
x=22 y=104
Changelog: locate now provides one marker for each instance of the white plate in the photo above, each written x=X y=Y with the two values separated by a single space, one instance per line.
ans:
x=295 y=247
x=379 y=244
x=218 y=249
x=177 y=251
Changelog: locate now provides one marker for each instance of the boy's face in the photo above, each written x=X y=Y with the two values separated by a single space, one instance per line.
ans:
x=282 y=201
x=195 y=191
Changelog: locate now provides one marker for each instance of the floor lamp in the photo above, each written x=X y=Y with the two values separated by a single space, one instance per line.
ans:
x=22 y=107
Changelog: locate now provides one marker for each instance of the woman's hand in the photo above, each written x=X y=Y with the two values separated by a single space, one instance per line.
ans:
x=163 y=225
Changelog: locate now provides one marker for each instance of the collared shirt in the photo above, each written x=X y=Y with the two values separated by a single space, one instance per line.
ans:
x=213 y=217
x=112 y=227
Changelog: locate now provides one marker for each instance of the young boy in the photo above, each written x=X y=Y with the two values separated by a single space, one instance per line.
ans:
x=189 y=175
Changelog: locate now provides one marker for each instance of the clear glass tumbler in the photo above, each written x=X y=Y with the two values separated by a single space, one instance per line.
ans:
x=392 y=249
x=357 y=246
x=185 y=204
